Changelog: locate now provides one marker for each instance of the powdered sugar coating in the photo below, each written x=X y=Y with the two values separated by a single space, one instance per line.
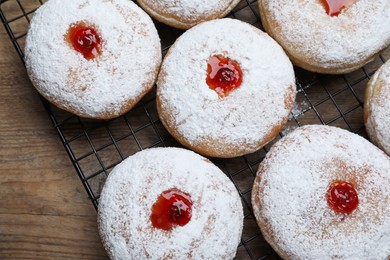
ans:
x=377 y=108
x=133 y=187
x=249 y=116
x=187 y=13
x=319 y=42
x=289 y=201
x=104 y=87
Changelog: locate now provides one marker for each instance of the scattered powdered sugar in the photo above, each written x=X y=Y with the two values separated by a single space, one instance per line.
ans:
x=190 y=10
x=299 y=109
x=127 y=67
x=289 y=196
x=245 y=117
x=132 y=188
x=331 y=42
x=378 y=105
x=288 y=129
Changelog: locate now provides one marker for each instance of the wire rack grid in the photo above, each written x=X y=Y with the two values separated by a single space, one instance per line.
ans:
x=95 y=147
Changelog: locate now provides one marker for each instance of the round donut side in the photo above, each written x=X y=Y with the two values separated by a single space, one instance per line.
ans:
x=258 y=206
x=183 y=22
x=309 y=60
x=78 y=82
x=354 y=165
x=219 y=147
x=371 y=91
x=375 y=93
x=106 y=115
x=132 y=188
x=261 y=220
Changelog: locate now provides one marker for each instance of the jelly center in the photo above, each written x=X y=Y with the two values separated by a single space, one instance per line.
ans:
x=223 y=75
x=85 y=40
x=342 y=197
x=334 y=7
x=172 y=208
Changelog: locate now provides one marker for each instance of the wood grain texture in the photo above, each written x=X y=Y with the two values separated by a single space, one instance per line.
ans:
x=44 y=210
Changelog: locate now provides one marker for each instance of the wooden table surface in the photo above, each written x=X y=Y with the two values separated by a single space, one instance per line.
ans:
x=44 y=210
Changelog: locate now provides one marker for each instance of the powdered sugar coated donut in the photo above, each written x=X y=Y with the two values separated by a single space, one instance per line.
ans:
x=108 y=85
x=251 y=115
x=322 y=43
x=187 y=13
x=289 y=196
x=377 y=108
x=133 y=187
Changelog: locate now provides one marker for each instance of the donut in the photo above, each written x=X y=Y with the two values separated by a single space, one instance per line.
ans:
x=328 y=36
x=377 y=108
x=323 y=193
x=184 y=14
x=93 y=58
x=225 y=96
x=169 y=203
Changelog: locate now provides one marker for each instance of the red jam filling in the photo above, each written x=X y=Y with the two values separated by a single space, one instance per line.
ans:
x=342 y=197
x=85 y=40
x=223 y=75
x=172 y=208
x=334 y=7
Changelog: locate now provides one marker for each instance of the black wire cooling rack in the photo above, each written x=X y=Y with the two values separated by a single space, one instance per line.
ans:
x=95 y=147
